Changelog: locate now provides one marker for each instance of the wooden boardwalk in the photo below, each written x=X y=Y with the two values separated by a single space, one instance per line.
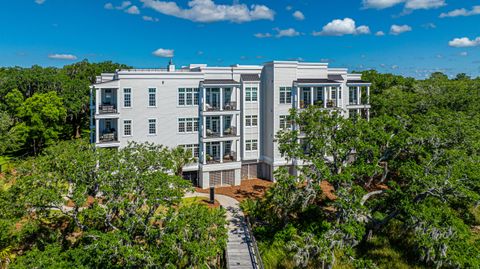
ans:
x=240 y=254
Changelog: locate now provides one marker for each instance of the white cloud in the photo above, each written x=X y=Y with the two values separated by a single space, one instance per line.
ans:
x=463 y=53
x=132 y=10
x=124 y=5
x=464 y=42
x=39 y=1
x=399 y=29
x=342 y=27
x=166 y=53
x=408 y=4
x=424 y=4
x=108 y=6
x=430 y=25
x=62 y=56
x=148 y=18
x=380 y=33
x=209 y=11
x=298 y=15
x=263 y=35
x=288 y=8
x=380 y=4
x=290 y=32
x=394 y=66
x=461 y=12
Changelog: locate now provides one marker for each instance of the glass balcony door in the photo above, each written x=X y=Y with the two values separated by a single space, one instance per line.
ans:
x=213 y=98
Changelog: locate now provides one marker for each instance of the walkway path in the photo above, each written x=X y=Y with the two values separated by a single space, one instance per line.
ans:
x=239 y=253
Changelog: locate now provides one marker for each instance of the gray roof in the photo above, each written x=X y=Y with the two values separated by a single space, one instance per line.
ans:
x=250 y=77
x=335 y=77
x=316 y=81
x=357 y=81
x=220 y=82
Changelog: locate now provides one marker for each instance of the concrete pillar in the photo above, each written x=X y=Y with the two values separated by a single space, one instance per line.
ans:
x=221 y=98
x=221 y=152
x=97 y=130
x=359 y=95
x=98 y=100
x=311 y=95
x=325 y=96
x=204 y=152
x=221 y=126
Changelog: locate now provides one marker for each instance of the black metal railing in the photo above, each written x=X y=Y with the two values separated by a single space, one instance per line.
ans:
x=230 y=106
x=108 y=137
x=105 y=109
x=230 y=131
x=229 y=157
x=252 y=246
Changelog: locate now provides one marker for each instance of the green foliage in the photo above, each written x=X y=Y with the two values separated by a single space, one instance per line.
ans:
x=77 y=206
x=409 y=176
x=70 y=84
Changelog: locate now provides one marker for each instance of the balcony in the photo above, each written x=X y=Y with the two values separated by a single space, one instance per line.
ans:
x=221 y=99
x=230 y=156
x=107 y=109
x=230 y=131
x=108 y=137
x=221 y=152
x=230 y=106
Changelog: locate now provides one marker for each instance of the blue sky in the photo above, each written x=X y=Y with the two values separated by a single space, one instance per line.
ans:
x=419 y=36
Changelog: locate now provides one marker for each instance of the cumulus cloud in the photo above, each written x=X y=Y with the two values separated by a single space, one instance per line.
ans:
x=148 y=18
x=380 y=4
x=463 y=53
x=57 y=56
x=108 y=6
x=380 y=33
x=263 y=35
x=166 y=53
x=464 y=42
x=399 y=29
x=430 y=25
x=408 y=4
x=298 y=15
x=124 y=5
x=340 y=27
x=39 y=1
x=209 y=11
x=290 y=32
x=461 y=12
x=132 y=10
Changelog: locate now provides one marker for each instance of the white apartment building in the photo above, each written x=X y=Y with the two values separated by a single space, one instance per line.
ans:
x=227 y=116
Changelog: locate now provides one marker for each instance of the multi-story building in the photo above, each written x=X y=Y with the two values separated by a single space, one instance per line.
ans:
x=227 y=117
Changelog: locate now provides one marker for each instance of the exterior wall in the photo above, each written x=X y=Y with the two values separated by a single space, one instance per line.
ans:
x=273 y=75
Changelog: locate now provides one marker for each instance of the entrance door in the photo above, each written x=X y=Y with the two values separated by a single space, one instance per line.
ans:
x=215 y=124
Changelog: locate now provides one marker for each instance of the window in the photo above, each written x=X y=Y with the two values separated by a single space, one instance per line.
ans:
x=334 y=93
x=285 y=95
x=251 y=145
x=339 y=93
x=152 y=97
x=127 y=97
x=193 y=148
x=284 y=122
x=127 y=127
x=251 y=121
x=187 y=125
x=152 y=126
x=188 y=96
x=352 y=95
x=251 y=94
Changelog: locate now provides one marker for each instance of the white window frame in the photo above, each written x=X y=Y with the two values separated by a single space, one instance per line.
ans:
x=284 y=123
x=193 y=122
x=129 y=93
x=150 y=94
x=249 y=94
x=194 y=148
x=250 y=120
x=131 y=127
x=286 y=91
x=189 y=93
x=251 y=145
x=148 y=127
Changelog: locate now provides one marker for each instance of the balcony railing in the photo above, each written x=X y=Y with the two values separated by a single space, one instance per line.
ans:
x=108 y=137
x=212 y=133
x=230 y=106
x=105 y=109
x=229 y=157
x=230 y=131
x=212 y=159
x=210 y=107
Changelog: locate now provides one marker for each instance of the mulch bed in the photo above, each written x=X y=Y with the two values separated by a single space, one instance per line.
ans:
x=250 y=188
